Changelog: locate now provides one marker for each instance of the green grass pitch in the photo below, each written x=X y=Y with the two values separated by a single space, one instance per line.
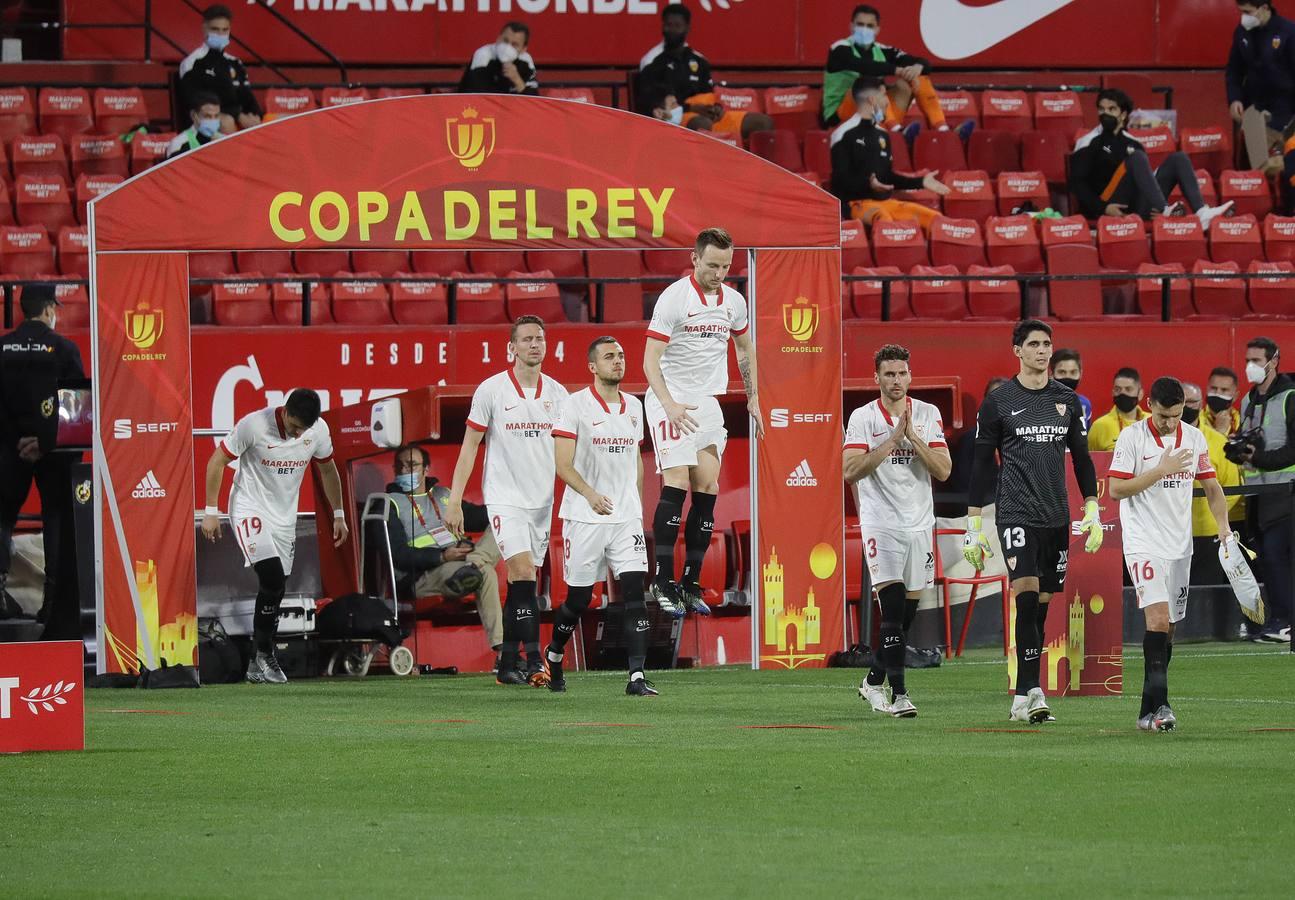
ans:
x=384 y=787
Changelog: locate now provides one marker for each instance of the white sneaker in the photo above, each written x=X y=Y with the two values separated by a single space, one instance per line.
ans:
x=902 y=707
x=1165 y=719
x=1037 y=707
x=1020 y=709
x=875 y=695
x=1208 y=214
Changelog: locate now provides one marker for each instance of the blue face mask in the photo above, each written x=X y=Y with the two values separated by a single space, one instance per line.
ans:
x=217 y=41
x=208 y=127
x=675 y=116
x=863 y=36
x=407 y=482
x=878 y=116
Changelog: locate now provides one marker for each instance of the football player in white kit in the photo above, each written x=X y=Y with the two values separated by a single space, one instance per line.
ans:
x=894 y=446
x=1155 y=464
x=597 y=455
x=513 y=413
x=686 y=364
x=273 y=447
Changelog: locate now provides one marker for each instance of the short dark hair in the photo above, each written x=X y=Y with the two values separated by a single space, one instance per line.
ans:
x=865 y=8
x=654 y=98
x=525 y=320
x=421 y=450
x=1026 y=327
x=994 y=384
x=889 y=353
x=598 y=342
x=216 y=11
x=677 y=9
x=303 y=405
x=1257 y=3
x=1130 y=373
x=520 y=27
x=1266 y=344
x=713 y=237
x=36 y=298
x=1118 y=97
x=1166 y=391
x=866 y=83
x=1225 y=372
x=203 y=98
x=1065 y=354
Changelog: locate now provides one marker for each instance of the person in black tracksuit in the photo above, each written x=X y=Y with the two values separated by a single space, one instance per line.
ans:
x=504 y=67
x=210 y=70
x=1261 y=65
x=33 y=360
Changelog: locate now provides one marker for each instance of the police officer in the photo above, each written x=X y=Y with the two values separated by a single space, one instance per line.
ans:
x=33 y=360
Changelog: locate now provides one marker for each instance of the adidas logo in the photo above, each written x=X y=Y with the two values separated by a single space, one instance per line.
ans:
x=801 y=476
x=148 y=488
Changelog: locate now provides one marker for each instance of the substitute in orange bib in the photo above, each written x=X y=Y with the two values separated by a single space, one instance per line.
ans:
x=862 y=176
x=273 y=447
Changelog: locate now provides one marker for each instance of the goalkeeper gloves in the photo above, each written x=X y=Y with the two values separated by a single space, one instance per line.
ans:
x=1092 y=524
x=975 y=546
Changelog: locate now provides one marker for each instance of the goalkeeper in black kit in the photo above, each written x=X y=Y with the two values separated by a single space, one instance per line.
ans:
x=1031 y=421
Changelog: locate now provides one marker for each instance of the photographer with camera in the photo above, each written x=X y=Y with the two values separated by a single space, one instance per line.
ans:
x=1264 y=446
x=428 y=557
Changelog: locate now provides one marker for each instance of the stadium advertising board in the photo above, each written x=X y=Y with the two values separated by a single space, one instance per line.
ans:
x=42 y=697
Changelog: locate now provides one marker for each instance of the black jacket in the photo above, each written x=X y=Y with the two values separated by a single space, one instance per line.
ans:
x=1093 y=166
x=423 y=559
x=683 y=72
x=1261 y=69
x=861 y=152
x=33 y=360
x=216 y=72
x=485 y=74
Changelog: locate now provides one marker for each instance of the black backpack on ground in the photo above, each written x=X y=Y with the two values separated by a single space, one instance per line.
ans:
x=358 y=617
x=219 y=661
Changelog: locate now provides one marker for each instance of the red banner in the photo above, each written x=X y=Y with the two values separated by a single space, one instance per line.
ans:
x=143 y=452
x=42 y=697
x=799 y=580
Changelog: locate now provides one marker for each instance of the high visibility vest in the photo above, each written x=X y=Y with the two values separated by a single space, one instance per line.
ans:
x=422 y=516
x=1273 y=423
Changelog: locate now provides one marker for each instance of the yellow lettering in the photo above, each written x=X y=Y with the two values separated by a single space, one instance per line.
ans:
x=620 y=207
x=323 y=232
x=499 y=214
x=373 y=210
x=454 y=231
x=581 y=207
x=412 y=218
x=657 y=207
x=533 y=228
x=281 y=231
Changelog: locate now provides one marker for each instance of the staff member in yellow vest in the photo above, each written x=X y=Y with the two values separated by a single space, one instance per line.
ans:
x=1126 y=393
x=430 y=559
x=1205 y=559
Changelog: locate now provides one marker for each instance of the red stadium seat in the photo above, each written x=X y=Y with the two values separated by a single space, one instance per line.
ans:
x=6 y=204
x=1015 y=189
x=286 y=298
x=43 y=200
x=956 y=242
x=576 y=94
x=865 y=296
x=1158 y=142
x=40 y=154
x=1210 y=148
x=1058 y=111
x=1247 y=190
x=118 y=110
x=495 y=260
x=263 y=261
x=1069 y=230
x=899 y=244
x=1237 y=239
x=360 y=301
x=621 y=302
x=666 y=262
x=534 y=298
x=282 y=102
x=818 y=152
x=959 y=107
x=1074 y=299
x=1219 y=296
x=1046 y=152
x=341 y=96
x=478 y=302
x=75 y=312
x=1177 y=239
x=383 y=262
x=147 y=149
x=90 y=186
x=211 y=264
x=97 y=154
x=994 y=297
x=1013 y=241
x=795 y=108
x=412 y=90
x=939 y=151
x=1272 y=296
x=74 y=252
x=994 y=151
x=65 y=111
x=900 y=159
x=1006 y=111
x=855 y=251
x=937 y=298
x=1205 y=181
x=322 y=260
x=1150 y=292
x=738 y=99
x=17 y=113
x=439 y=262
x=724 y=137
x=242 y=303
x=1122 y=241
x=26 y=251
x=779 y=147
x=1279 y=238
x=562 y=263
x=419 y=302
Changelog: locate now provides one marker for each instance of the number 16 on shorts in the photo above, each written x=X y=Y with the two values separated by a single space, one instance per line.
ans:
x=1161 y=581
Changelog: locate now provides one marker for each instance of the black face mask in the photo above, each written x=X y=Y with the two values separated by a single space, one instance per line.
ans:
x=1109 y=122
x=1072 y=383
x=673 y=41
x=1190 y=415
x=1125 y=404
x=1217 y=403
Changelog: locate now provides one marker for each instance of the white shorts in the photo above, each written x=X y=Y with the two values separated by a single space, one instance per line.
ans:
x=673 y=447
x=517 y=530
x=588 y=548
x=904 y=556
x=260 y=539
x=1161 y=581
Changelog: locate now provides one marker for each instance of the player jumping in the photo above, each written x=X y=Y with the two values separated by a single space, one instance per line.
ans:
x=1155 y=463
x=893 y=447
x=686 y=364
x=1031 y=421
x=514 y=412
x=596 y=445
x=273 y=447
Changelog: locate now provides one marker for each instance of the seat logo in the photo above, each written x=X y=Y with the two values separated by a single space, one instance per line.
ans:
x=471 y=139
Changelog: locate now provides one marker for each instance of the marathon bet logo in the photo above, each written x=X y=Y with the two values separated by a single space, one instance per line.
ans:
x=801 y=476
x=148 y=488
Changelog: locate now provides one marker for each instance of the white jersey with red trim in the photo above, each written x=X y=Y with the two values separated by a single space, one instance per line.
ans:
x=696 y=328
x=271 y=465
x=897 y=495
x=607 y=454
x=518 y=424
x=1158 y=521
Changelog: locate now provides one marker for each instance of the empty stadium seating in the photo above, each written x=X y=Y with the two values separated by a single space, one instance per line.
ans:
x=1006 y=111
x=97 y=154
x=899 y=244
x=956 y=242
x=1150 y=292
x=971 y=195
x=1248 y=191
x=1238 y=239
x=1019 y=189
x=17 y=113
x=419 y=302
x=65 y=111
x=147 y=149
x=1013 y=241
x=1271 y=296
x=117 y=110
x=245 y=303
x=287 y=299
x=935 y=296
x=478 y=302
x=1177 y=240
x=996 y=296
x=360 y=300
x=866 y=295
x=1222 y=297
x=994 y=151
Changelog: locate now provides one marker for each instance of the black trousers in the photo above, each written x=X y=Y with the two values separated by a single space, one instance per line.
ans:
x=1143 y=190
x=1275 y=564
x=52 y=475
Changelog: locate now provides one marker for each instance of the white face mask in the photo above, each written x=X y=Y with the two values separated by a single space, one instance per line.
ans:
x=505 y=52
x=1249 y=22
x=675 y=116
x=1255 y=373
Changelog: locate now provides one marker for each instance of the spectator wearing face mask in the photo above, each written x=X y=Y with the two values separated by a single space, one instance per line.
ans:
x=205 y=128
x=504 y=67
x=1221 y=398
x=1068 y=369
x=665 y=106
x=1126 y=392
x=210 y=70
x=1206 y=570
x=1261 y=76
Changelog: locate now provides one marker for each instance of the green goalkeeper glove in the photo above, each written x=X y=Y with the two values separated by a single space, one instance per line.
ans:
x=1092 y=524
x=975 y=546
